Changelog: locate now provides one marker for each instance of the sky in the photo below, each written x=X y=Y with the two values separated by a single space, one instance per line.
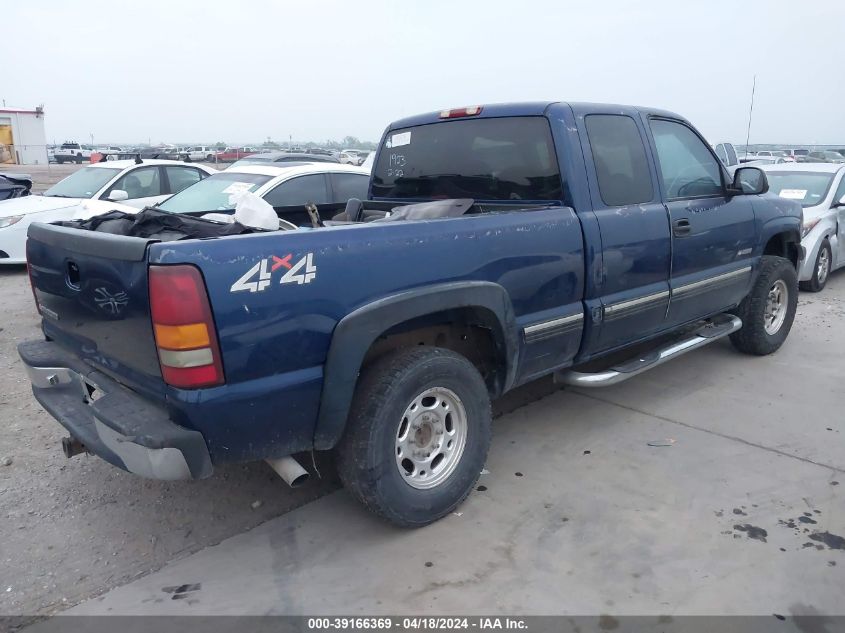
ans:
x=192 y=71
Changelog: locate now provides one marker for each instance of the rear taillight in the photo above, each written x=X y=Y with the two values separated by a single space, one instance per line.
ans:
x=457 y=113
x=184 y=328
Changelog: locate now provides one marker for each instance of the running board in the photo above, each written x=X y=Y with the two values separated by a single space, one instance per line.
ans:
x=712 y=330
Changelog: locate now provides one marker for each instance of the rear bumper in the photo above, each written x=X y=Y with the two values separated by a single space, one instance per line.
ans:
x=112 y=421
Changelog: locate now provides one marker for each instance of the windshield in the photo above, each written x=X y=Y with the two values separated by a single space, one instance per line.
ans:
x=808 y=188
x=82 y=184
x=486 y=159
x=212 y=193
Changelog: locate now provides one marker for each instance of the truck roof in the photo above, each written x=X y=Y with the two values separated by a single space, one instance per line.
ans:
x=527 y=108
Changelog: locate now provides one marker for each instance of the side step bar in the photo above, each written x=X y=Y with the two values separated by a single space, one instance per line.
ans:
x=712 y=330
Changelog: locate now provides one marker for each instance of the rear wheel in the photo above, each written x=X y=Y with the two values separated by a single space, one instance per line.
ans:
x=768 y=311
x=417 y=435
x=821 y=271
x=210 y=158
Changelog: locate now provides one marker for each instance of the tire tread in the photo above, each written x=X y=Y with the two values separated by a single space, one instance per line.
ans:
x=356 y=450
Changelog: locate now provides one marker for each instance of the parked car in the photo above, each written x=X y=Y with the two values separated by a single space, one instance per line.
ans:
x=283 y=157
x=766 y=160
x=111 y=152
x=281 y=185
x=72 y=152
x=727 y=154
x=14 y=185
x=807 y=158
x=828 y=156
x=198 y=152
x=499 y=244
x=231 y=154
x=159 y=152
x=820 y=189
x=120 y=181
x=349 y=157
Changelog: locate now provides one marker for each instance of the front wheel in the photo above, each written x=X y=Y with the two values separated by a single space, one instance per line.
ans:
x=417 y=436
x=821 y=270
x=768 y=311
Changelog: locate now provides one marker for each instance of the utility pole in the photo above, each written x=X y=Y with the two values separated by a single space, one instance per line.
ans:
x=750 y=112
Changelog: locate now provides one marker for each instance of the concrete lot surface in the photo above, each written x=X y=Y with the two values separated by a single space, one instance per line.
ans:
x=710 y=485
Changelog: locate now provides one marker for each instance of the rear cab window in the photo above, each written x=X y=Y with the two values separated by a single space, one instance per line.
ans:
x=496 y=159
x=619 y=156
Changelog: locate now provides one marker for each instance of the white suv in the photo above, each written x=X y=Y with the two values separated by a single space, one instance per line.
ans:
x=199 y=152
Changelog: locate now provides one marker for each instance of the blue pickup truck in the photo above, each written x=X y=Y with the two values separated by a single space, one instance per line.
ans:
x=498 y=244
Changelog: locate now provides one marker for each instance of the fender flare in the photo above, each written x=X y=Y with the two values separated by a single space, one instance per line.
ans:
x=356 y=332
x=782 y=225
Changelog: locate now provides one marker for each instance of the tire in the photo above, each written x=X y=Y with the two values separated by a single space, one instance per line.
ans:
x=210 y=158
x=186 y=158
x=60 y=161
x=821 y=269
x=762 y=333
x=382 y=412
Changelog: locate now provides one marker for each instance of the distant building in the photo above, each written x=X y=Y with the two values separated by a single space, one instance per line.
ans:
x=22 y=137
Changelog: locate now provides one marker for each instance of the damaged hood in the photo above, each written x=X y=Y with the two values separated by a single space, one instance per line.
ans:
x=78 y=208
x=35 y=204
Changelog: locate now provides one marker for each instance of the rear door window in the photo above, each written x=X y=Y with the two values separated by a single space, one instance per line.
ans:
x=182 y=177
x=620 y=160
x=299 y=191
x=346 y=186
x=501 y=159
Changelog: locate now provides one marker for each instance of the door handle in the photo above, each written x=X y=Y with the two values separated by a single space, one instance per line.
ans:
x=681 y=227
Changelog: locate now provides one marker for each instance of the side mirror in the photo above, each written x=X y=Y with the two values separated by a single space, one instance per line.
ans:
x=838 y=203
x=749 y=181
x=118 y=195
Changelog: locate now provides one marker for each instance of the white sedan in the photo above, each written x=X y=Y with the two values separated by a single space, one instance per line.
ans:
x=280 y=185
x=91 y=191
x=820 y=189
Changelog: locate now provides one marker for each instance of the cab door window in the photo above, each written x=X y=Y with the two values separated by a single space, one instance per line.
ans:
x=688 y=168
x=144 y=182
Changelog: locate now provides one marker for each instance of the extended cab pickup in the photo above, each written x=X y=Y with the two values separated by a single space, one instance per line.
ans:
x=551 y=238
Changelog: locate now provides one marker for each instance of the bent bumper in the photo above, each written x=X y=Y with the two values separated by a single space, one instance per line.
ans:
x=112 y=421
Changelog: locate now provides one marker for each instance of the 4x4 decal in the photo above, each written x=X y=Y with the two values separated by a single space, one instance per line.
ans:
x=302 y=272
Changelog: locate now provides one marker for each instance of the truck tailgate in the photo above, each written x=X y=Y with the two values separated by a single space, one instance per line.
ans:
x=92 y=292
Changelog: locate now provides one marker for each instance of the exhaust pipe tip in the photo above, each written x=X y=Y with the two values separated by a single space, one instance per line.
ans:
x=290 y=471
x=72 y=447
x=299 y=481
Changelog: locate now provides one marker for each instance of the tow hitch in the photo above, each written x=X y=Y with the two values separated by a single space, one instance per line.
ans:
x=72 y=446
